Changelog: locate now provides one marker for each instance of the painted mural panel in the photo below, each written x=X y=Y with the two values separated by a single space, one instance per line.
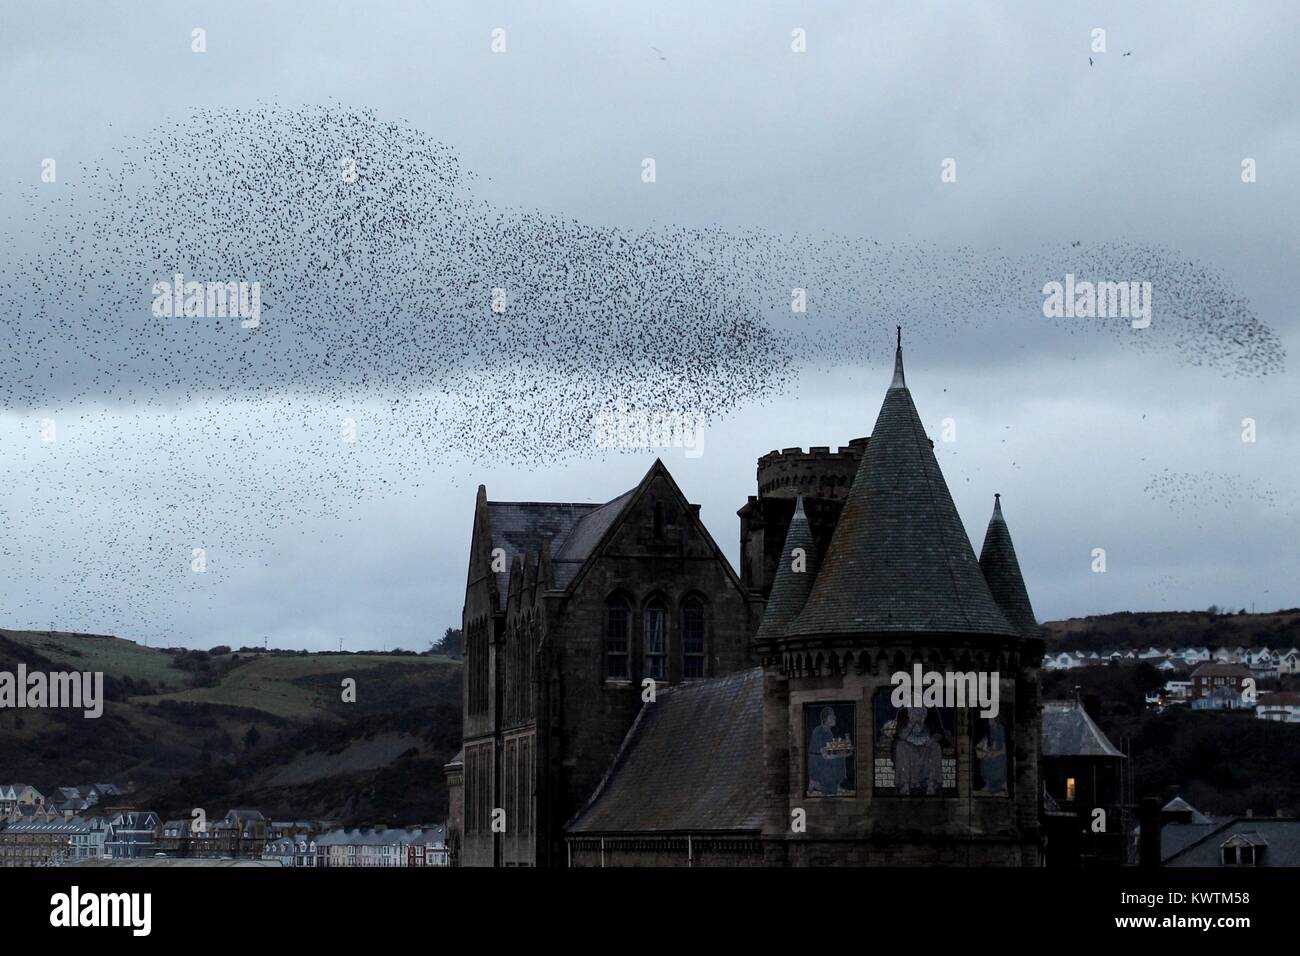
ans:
x=991 y=741
x=915 y=752
x=831 y=767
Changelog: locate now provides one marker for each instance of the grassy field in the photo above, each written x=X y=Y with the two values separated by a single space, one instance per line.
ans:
x=302 y=687
x=188 y=728
x=112 y=655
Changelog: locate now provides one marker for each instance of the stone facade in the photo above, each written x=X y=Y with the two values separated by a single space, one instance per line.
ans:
x=822 y=478
x=596 y=600
x=862 y=569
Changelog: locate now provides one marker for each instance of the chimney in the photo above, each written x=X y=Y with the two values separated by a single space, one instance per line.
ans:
x=1149 y=839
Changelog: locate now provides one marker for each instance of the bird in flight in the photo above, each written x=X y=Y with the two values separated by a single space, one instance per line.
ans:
x=660 y=52
x=1090 y=61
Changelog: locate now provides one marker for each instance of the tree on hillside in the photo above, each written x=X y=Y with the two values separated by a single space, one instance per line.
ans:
x=252 y=737
x=452 y=644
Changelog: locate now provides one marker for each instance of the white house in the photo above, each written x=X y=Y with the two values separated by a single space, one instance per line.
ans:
x=87 y=841
x=1288 y=662
x=1283 y=706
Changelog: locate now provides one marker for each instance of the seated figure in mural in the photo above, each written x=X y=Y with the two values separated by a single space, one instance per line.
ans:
x=991 y=752
x=827 y=761
x=918 y=755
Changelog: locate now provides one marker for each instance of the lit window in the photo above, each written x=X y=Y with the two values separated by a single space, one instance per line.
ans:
x=1069 y=788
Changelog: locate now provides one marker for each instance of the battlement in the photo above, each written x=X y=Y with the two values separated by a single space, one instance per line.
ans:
x=817 y=472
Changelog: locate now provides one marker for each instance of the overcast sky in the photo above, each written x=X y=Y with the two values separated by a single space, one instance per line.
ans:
x=1092 y=440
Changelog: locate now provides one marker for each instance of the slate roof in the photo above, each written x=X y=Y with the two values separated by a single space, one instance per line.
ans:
x=389 y=836
x=567 y=559
x=1278 y=698
x=790 y=588
x=692 y=762
x=1219 y=669
x=1280 y=835
x=900 y=559
x=521 y=528
x=1002 y=572
x=1179 y=805
x=1068 y=731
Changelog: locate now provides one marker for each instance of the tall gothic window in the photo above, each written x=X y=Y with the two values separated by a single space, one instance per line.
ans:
x=618 y=618
x=656 y=639
x=692 y=638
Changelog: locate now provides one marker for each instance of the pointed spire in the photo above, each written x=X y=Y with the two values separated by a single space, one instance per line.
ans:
x=900 y=560
x=795 y=572
x=898 y=381
x=1002 y=571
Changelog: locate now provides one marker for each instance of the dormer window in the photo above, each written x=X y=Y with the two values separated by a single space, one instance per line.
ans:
x=1243 y=849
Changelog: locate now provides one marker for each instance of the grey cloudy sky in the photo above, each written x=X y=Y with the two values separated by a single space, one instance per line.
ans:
x=1093 y=440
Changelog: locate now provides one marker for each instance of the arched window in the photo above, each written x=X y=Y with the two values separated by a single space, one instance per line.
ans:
x=656 y=639
x=618 y=618
x=692 y=638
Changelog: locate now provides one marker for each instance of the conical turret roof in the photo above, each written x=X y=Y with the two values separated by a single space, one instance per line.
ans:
x=1002 y=572
x=794 y=579
x=900 y=559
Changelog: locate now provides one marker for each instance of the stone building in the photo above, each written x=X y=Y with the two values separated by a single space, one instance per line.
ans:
x=569 y=608
x=804 y=759
x=1082 y=772
x=820 y=477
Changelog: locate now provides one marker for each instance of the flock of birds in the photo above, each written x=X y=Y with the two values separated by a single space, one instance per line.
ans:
x=448 y=330
x=1191 y=494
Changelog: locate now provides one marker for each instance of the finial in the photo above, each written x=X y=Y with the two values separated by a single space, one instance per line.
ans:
x=798 y=505
x=898 y=381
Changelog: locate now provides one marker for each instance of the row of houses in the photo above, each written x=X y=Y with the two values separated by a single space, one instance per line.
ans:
x=1262 y=662
x=364 y=847
x=1222 y=686
x=58 y=839
x=243 y=833
x=21 y=802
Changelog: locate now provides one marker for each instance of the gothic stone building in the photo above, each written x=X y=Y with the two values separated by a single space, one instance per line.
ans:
x=568 y=609
x=781 y=746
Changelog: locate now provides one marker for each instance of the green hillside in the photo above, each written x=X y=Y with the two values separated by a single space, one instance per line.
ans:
x=263 y=728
